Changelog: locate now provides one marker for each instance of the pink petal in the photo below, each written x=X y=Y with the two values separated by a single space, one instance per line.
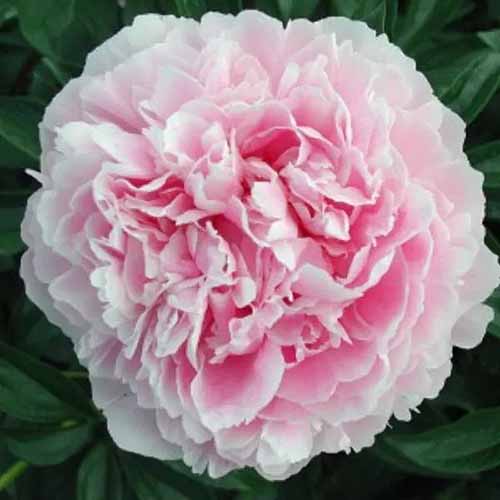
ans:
x=234 y=391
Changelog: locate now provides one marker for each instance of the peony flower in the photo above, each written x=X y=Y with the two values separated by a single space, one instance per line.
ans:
x=263 y=241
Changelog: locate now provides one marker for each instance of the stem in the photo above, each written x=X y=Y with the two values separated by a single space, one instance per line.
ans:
x=12 y=473
x=68 y=424
x=76 y=375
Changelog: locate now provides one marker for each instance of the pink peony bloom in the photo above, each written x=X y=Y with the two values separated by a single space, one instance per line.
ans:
x=263 y=242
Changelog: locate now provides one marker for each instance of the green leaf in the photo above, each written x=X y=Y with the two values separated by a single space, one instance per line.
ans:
x=492 y=241
x=246 y=480
x=191 y=8
x=78 y=27
x=101 y=26
x=392 y=456
x=19 y=119
x=376 y=16
x=7 y=11
x=133 y=8
x=57 y=482
x=12 y=158
x=12 y=207
x=13 y=38
x=33 y=391
x=491 y=38
x=145 y=484
x=45 y=85
x=32 y=333
x=465 y=393
x=40 y=25
x=167 y=7
x=10 y=242
x=48 y=446
x=494 y=302
x=270 y=7
x=152 y=479
x=291 y=9
x=345 y=8
x=15 y=57
x=424 y=18
x=391 y=17
x=226 y=6
x=11 y=217
x=10 y=238
x=14 y=198
x=373 y=12
x=486 y=158
x=493 y=210
x=472 y=88
x=99 y=476
x=39 y=337
x=467 y=446
x=448 y=53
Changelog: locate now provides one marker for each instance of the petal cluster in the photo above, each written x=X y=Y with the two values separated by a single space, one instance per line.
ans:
x=263 y=241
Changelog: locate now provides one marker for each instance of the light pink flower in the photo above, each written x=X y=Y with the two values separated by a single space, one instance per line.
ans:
x=263 y=242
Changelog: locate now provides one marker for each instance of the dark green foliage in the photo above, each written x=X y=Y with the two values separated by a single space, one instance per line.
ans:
x=53 y=441
x=99 y=475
